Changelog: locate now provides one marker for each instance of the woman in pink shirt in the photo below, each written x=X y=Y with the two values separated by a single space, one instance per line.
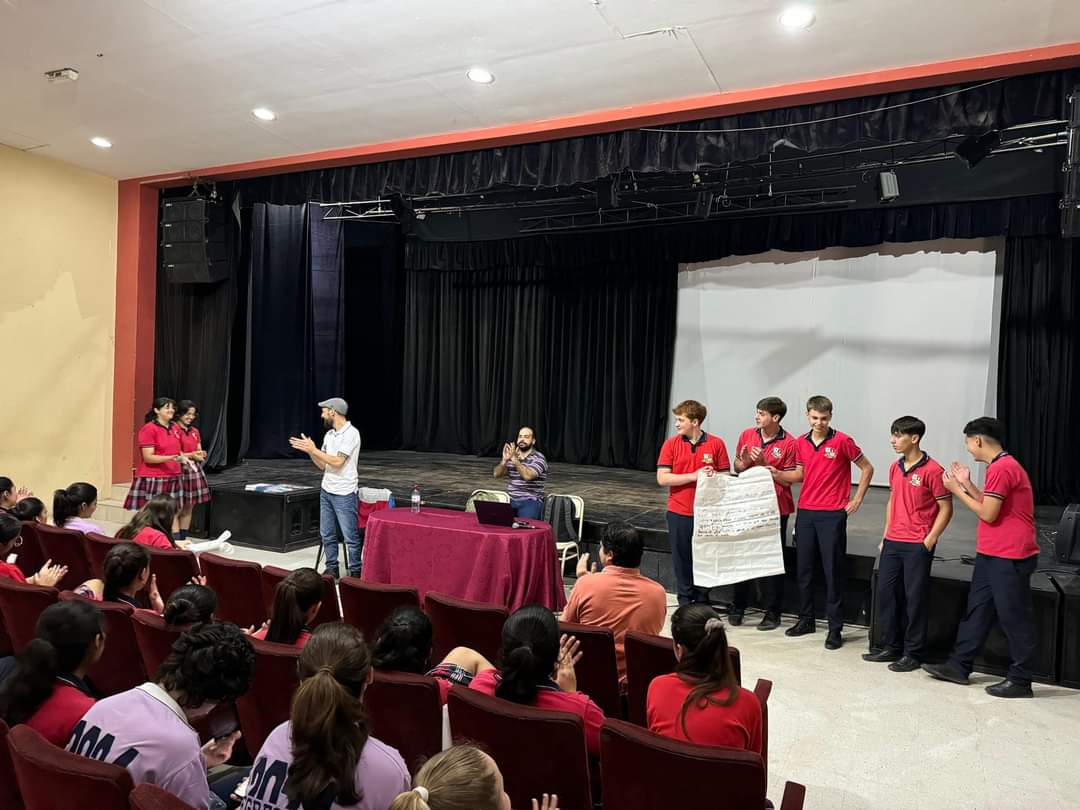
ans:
x=152 y=524
x=537 y=669
x=297 y=600
x=73 y=507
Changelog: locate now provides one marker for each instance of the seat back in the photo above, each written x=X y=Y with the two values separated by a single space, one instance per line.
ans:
x=172 y=568
x=365 y=605
x=66 y=547
x=9 y=788
x=641 y=771
x=329 y=611
x=597 y=673
x=497 y=495
x=50 y=777
x=155 y=638
x=121 y=666
x=266 y=704
x=97 y=547
x=406 y=713
x=151 y=797
x=648 y=656
x=461 y=623
x=20 y=606
x=238 y=586
x=539 y=750
x=30 y=557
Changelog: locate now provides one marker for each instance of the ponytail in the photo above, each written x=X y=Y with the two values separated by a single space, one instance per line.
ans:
x=190 y=604
x=530 y=648
x=122 y=565
x=459 y=778
x=328 y=724
x=706 y=667
x=66 y=502
x=294 y=596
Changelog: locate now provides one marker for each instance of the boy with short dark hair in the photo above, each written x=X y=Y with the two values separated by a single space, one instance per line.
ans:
x=917 y=513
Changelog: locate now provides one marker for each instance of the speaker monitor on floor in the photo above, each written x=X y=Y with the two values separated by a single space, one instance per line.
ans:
x=193 y=249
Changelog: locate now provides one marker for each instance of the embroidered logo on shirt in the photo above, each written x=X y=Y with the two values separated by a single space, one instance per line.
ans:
x=776 y=452
x=916 y=480
x=830 y=452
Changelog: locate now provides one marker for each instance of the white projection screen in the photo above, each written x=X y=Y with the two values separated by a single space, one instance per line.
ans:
x=885 y=331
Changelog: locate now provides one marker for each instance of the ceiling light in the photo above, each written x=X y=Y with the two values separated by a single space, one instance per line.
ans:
x=263 y=114
x=797 y=17
x=480 y=75
x=101 y=143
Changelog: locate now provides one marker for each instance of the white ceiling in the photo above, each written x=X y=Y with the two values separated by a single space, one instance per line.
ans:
x=172 y=82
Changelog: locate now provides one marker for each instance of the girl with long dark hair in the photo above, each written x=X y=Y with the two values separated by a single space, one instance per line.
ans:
x=158 y=472
x=152 y=524
x=536 y=668
x=701 y=701
x=126 y=572
x=297 y=600
x=193 y=487
x=73 y=507
x=325 y=748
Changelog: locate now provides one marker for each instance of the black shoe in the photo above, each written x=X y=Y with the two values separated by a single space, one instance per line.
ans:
x=770 y=621
x=905 y=664
x=946 y=672
x=882 y=656
x=735 y=617
x=1009 y=689
x=332 y=572
x=833 y=641
x=801 y=628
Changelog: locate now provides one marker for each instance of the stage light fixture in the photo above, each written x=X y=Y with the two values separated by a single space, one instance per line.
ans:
x=101 y=143
x=480 y=75
x=974 y=148
x=264 y=114
x=888 y=187
x=797 y=17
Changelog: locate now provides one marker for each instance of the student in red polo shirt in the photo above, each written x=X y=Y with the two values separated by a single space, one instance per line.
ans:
x=1006 y=555
x=823 y=464
x=917 y=513
x=767 y=444
x=158 y=472
x=691 y=449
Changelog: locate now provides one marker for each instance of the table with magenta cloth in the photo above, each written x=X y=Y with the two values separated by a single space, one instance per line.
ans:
x=452 y=553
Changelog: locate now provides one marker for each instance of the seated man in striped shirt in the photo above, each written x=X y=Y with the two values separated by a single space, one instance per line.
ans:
x=527 y=470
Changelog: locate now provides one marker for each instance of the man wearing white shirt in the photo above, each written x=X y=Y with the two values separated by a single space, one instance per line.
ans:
x=338 y=499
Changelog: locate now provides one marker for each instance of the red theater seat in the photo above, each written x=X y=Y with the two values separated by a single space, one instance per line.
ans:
x=155 y=638
x=406 y=712
x=266 y=704
x=461 y=623
x=172 y=568
x=20 y=606
x=365 y=605
x=238 y=586
x=9 y=788
x=597 y=673
x=29 y=556
x=329 y=611
x=121 y=666
x=151 y=797
x=97 y=547
x=65 y=547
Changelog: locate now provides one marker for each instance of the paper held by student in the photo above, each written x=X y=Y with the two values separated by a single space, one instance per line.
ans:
x=736 y=528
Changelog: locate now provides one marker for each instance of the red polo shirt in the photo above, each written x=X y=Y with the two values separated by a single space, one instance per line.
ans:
x=680 y=455
x=735 y=726
x=777 y=452
x=1012 y=535
x=164 y=441
x=57 y=716
x=826 y=470
x=11 y=572
x=189 y=439
x=915 y=492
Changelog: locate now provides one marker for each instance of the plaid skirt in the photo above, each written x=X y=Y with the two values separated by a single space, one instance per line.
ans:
x=143 y=489
x=193 y=487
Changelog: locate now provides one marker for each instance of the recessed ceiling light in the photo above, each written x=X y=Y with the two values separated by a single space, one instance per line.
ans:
x=480 y=75
x=263 y=114
x=797 y=17
x=101 y=143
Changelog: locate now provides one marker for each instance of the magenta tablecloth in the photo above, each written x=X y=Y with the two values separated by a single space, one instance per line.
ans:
x=450 y=552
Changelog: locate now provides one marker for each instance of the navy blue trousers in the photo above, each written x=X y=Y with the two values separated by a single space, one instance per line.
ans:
x=820 y=533
x=680 y=535
x=772 y=588
x=904 y=581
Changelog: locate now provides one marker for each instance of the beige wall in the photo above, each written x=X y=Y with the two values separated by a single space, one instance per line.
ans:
x=57 y=300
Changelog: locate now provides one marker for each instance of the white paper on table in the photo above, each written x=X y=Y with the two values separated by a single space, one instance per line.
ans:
x=736 y=528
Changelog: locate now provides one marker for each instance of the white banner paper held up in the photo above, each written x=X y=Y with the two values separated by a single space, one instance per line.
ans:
x=736 y=528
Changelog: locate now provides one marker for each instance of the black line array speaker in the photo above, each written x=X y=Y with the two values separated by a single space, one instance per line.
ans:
x=193 y=249
x=1070 y=200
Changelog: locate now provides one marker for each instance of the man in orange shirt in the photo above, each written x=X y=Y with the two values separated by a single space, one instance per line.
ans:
x=618 y=597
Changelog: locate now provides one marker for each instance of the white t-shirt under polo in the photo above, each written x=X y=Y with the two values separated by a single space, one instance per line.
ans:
x=346 y=442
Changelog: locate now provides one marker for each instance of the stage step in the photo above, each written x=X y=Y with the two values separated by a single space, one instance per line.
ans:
x=111 y=510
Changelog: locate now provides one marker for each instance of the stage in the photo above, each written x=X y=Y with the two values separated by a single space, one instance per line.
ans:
x=632 y=495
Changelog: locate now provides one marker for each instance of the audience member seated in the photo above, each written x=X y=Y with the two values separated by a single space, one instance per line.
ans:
x=153 y=524
x=462 y=778
x=403 y=644
x=536 y=668
x=701 y=701
x=190 y=604
x=11 y=539
x=31 y=510
x=618 y=597
x=127 y=571
x=48 y=690
x=148 y=730
x=73 y=507
x=323 y=754
x=10 y=494
x=297 y=600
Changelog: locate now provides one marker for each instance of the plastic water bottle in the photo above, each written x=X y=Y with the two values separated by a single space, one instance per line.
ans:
x=416 y=497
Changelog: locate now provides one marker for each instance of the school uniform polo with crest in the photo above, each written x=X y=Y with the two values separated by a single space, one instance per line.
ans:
x=821 y=522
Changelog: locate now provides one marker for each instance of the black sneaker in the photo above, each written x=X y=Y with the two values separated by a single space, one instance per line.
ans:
x=882 y=656
x=946 y=672
x=332 y=572
x=735 y=617
x=1009 y=689
x=833 y=641
x=770 y=621
x=801 y=628
x=904 y=664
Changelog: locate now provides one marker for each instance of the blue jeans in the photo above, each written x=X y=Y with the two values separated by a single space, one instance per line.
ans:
x=337 y=518
x=527 y=508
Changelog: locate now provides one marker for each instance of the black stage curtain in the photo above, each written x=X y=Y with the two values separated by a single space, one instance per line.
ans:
x=1039 y=373
x=994 y=105
x=572 y=336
